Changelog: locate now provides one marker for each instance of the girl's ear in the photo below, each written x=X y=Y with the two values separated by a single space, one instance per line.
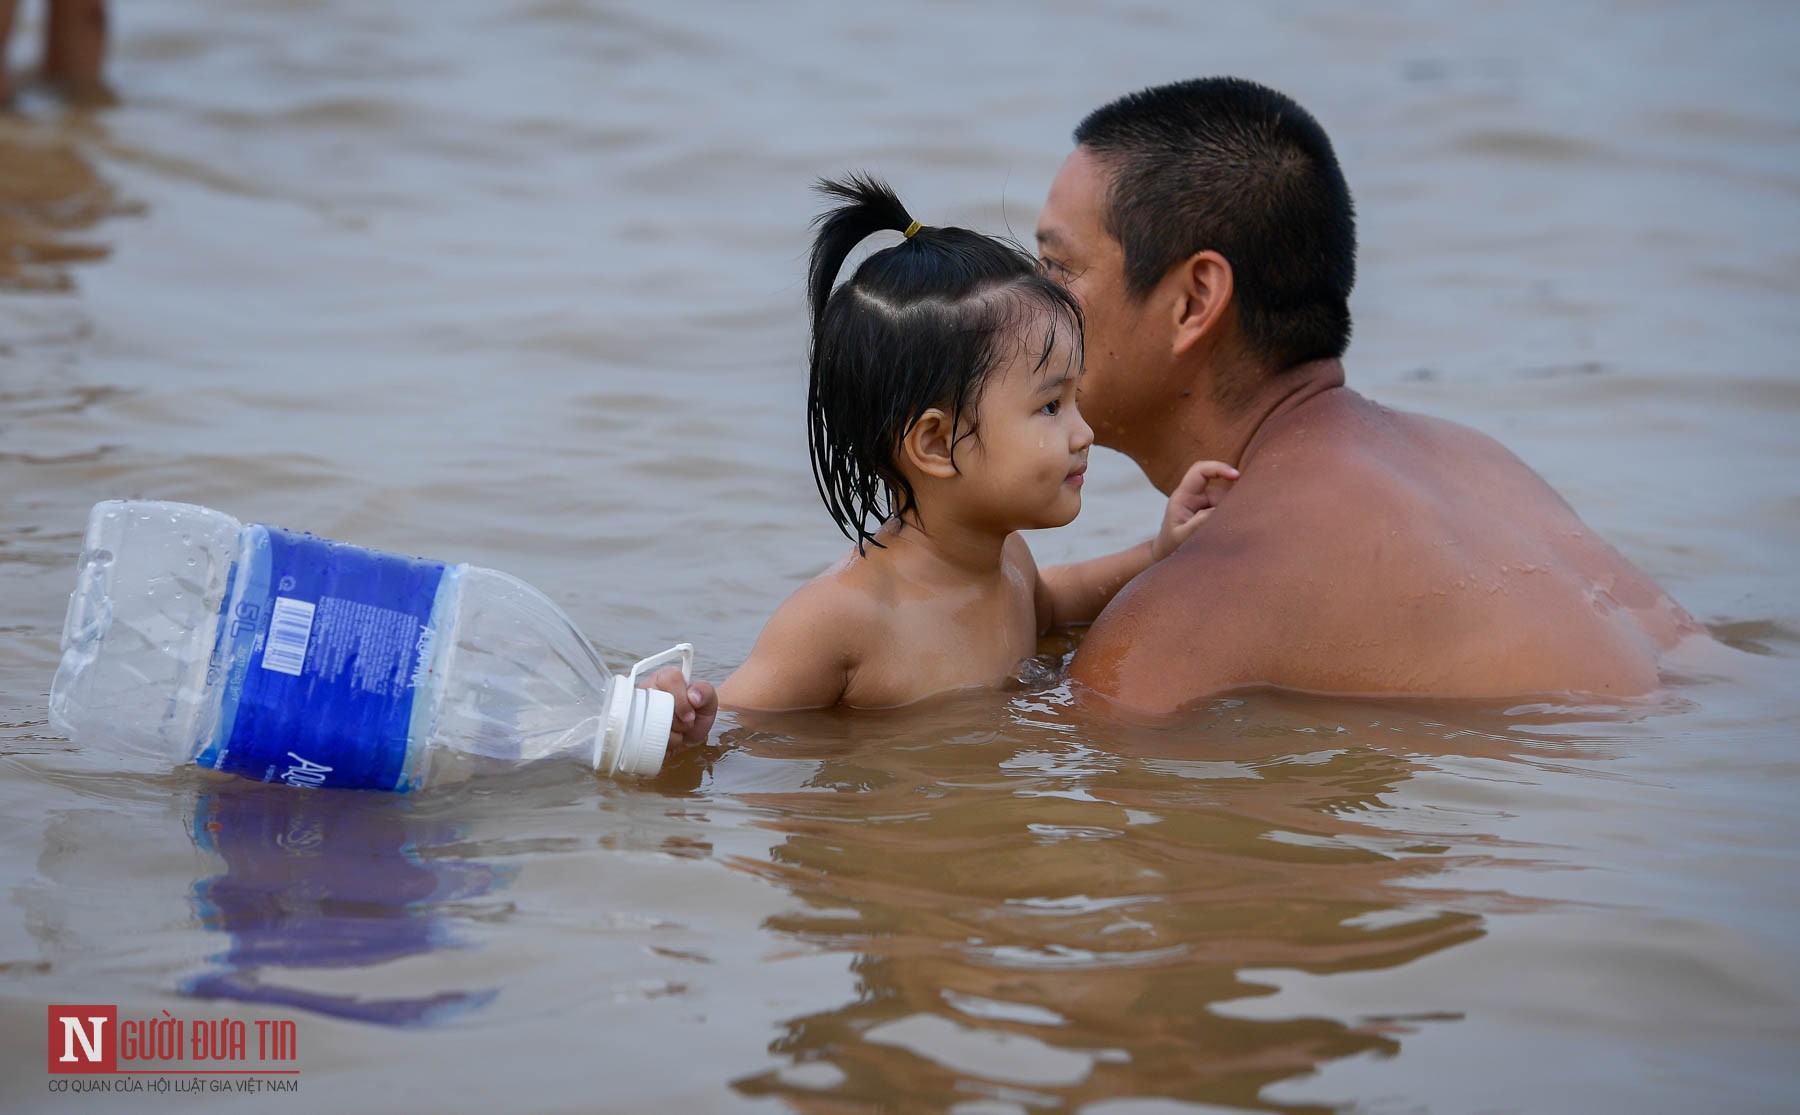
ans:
x=926 y=444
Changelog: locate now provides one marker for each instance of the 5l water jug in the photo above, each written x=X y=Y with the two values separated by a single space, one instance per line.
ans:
x=283 y=657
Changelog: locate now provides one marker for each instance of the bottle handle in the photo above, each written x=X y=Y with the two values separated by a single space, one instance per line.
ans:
x=684 y=652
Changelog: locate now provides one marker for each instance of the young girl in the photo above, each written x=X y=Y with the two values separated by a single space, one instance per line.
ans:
x=942 y=419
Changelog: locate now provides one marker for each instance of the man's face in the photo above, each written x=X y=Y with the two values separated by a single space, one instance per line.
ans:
x=1076 y=250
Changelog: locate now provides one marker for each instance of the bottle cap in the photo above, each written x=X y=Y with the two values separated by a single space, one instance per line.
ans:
x=633 y=736
x=642 y=752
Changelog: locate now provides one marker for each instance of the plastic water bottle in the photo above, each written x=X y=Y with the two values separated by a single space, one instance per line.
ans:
x=283 y=657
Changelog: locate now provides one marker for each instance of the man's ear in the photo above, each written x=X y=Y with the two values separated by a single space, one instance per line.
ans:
x=927 y=443
x=1203 y=291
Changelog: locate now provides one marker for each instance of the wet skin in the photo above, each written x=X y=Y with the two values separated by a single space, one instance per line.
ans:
x=1363 y=551
x=951 y=597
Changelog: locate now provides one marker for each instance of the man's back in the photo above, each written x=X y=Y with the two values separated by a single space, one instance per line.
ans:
x=1371 y=551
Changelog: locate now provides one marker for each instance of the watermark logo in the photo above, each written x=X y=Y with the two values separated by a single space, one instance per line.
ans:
x=89 y=1048
x=83 y=1038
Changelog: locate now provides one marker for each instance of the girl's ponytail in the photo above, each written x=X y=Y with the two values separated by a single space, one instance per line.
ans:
x=869 y=206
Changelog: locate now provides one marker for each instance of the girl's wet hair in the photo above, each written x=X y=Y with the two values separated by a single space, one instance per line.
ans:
x=920 y=324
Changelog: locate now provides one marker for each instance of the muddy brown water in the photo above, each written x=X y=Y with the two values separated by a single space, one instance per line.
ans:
x=520 y=284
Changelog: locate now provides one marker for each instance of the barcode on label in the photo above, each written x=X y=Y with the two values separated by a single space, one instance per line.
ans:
x=290 y=628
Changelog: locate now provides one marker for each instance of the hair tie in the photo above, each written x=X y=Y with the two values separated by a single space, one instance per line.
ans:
x=912 y=229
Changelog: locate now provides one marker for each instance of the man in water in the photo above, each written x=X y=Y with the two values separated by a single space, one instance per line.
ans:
x=1209 y=235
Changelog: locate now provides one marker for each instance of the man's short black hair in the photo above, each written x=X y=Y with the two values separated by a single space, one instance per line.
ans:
x=1226 y=164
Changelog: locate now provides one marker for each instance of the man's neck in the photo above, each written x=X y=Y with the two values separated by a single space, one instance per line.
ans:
x=1200 y=430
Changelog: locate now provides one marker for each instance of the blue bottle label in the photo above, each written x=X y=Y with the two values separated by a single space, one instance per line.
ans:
x=325 y=652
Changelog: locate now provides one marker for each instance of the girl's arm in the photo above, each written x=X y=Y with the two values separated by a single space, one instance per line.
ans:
x=801 y=660
x=803 y=657
x=1076 y=593
x=1073 y=594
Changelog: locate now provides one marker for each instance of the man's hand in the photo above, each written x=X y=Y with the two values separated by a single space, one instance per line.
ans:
x=1191 y=504
x=696 y=706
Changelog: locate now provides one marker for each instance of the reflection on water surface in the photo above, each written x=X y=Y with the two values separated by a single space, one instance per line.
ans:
x=520 y=284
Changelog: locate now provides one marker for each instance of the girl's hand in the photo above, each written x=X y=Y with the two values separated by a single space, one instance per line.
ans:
x=696 y=707
x=1191 y=504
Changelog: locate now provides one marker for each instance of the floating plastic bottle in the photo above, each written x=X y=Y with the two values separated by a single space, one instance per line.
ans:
x=284 y=657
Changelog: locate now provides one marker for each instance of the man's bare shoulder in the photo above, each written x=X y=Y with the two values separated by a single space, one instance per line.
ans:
x=1357 y=470
x=1368 y=550
x=1193 y=624
x=1336 y=520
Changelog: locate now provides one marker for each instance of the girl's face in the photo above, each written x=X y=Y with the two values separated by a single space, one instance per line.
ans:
x=1023 y=469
